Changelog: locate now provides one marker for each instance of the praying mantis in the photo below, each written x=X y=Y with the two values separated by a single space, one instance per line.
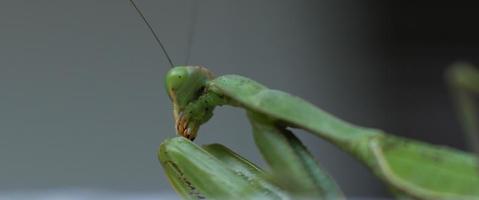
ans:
x=412 y=169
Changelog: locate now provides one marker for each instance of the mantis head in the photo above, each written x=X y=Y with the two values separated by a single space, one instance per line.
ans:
x=184 y=85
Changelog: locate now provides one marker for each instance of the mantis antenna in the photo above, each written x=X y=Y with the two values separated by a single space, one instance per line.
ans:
x=153 y=32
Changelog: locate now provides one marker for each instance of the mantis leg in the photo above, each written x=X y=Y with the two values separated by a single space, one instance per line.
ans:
x=464 y=81
x=293 y=167
x=213 y=172
x=272 y=140
x=244 y=168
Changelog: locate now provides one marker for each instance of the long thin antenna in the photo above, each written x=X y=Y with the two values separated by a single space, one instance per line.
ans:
x=191 y=32
x=152 y=32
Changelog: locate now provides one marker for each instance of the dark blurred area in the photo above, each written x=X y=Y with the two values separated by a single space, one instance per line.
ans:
x=420 y=39
x=442 y=24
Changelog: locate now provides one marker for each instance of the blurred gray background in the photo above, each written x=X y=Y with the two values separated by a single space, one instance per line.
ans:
x=82 y=97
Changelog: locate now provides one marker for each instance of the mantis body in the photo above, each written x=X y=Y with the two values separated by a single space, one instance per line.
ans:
x=411 y=168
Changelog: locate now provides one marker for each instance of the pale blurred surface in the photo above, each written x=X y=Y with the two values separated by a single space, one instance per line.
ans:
x=83 y=194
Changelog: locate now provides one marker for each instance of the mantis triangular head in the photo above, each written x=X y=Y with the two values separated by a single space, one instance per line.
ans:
x=184 y=85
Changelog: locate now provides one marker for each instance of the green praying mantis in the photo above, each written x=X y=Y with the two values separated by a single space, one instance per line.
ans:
x=412 y=169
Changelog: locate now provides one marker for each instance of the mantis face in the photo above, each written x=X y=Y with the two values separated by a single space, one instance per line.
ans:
x=184 y=85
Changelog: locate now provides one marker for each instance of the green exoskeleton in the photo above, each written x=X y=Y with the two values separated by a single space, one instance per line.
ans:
x=411 y=168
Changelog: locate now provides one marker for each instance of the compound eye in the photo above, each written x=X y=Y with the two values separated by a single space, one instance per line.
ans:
x=174 y=79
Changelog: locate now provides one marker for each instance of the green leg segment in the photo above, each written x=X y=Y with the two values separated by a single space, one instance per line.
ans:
x=464 y=81
x=246 y=169
x=213 y=172
x=293 y=167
